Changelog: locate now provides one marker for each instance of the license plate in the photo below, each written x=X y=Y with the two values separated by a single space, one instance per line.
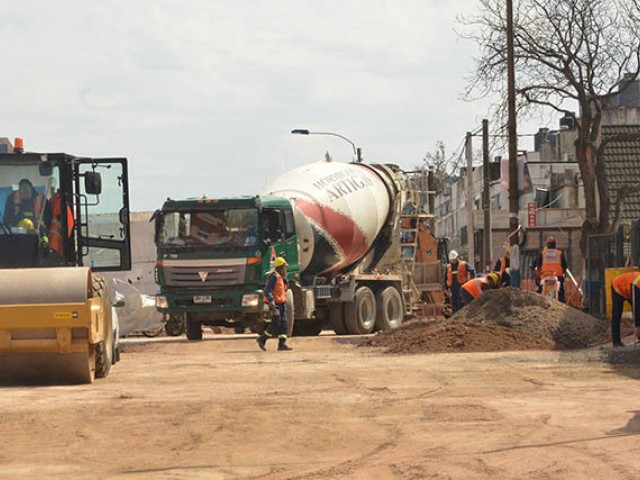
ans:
x=202 y=299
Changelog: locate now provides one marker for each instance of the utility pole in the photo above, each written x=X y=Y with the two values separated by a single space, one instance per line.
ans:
x=470 y=227
x=486 y=196
x=514 y=200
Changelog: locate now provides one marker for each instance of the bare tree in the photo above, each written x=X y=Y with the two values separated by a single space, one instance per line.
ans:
x=437 y=160
x=567 y=53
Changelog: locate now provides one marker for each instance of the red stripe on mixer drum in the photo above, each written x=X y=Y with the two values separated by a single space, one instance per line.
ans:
x=340 y=228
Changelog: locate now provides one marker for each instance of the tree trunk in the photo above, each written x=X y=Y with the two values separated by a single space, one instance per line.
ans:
x=591 y=222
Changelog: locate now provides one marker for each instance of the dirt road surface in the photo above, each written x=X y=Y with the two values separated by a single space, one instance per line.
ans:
x=222 y=409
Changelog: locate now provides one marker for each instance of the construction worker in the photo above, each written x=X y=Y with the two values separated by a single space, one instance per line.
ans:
x=275 y=294
x=473 y=288
x=621 y=291
x=56 y=239
x=26 y=202
x=551 y=261
x=457 y=272
x=502 y=265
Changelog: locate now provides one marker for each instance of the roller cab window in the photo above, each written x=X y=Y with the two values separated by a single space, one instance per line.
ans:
x=27 y=193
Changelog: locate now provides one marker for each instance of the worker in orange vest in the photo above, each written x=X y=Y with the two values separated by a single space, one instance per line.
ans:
x=473 y=288
x=457 y=273
x=501 y=267
x=275 y=295
x=56 y=239
x=551 y=261
x=622 y=288
x=26 y=202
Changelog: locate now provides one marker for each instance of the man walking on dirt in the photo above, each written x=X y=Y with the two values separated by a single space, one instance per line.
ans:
x=457 y=273
x=621 y=291
x=275 y=294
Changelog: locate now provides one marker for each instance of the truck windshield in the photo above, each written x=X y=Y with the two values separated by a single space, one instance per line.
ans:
x=26 y=214
x=220 y=227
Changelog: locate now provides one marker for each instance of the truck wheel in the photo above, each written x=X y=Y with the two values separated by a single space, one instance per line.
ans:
x=360 y=315
x=307 y=329
x=104 y=349
x=389 y=309
x=194 y=328
x=174 y=326
x=336 y=319
x=290 y=313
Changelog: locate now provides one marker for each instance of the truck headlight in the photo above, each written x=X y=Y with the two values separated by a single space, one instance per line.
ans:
x=161 y=302
x=250 y=300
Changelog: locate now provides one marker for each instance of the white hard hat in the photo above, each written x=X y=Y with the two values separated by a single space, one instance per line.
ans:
x=453 y=255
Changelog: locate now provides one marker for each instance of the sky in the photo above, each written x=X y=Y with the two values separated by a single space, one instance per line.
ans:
x=201 y=95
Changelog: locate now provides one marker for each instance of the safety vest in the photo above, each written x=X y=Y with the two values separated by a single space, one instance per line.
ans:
x=37 y=205
x=503 y=266
x=622 y=284
x=55 y=232
x=279 y=291
x=461 y=273
x=551 y=262
x=474 y=286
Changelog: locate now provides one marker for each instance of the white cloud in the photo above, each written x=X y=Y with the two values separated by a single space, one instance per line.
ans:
x=200 y=95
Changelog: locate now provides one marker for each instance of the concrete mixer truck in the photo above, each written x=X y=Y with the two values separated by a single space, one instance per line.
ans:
x=63 y=219
x=351 y=235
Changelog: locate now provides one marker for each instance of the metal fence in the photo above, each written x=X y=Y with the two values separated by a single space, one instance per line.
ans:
x=603 y=251
x=614 y=250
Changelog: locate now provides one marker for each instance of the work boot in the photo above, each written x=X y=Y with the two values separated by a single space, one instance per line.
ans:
x=618 y=345
x=283 y=347
x=262 y=342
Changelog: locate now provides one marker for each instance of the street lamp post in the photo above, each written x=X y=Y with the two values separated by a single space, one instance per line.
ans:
x=356 y=150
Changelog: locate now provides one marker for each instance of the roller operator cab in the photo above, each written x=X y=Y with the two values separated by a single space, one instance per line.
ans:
x=63 y=218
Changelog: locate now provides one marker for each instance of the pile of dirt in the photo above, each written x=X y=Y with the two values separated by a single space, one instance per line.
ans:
x=505 y=319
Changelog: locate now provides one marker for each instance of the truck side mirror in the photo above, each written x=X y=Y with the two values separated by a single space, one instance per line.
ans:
x=93 y=183
x=157 y=219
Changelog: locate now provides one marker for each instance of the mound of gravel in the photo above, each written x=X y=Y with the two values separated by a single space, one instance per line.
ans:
x=505 y=319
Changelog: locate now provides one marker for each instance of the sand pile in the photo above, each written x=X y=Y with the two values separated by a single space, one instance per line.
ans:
x=505 y=319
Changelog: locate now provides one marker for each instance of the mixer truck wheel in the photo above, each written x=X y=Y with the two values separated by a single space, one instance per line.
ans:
x=194 y=328
x=390 y=312
x=360 y=315
x=175 y=325
x=290 y=311
x=336 y=319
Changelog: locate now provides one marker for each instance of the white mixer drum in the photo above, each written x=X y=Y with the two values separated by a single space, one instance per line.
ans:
x=339 y=209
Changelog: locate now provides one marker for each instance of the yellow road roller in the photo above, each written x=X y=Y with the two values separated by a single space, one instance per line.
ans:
x=63 y=220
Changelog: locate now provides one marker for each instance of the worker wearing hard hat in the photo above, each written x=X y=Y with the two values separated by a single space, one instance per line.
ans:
x=502 y=265
x=551 y=261
x=473 y=288
x=275 y=295
x=457 y=273
x=26 y=202
x=622 y=288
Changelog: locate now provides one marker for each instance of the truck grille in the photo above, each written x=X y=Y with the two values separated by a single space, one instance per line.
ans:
x=204 y=273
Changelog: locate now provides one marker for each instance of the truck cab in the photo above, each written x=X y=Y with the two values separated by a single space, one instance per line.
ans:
x=213 y=256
